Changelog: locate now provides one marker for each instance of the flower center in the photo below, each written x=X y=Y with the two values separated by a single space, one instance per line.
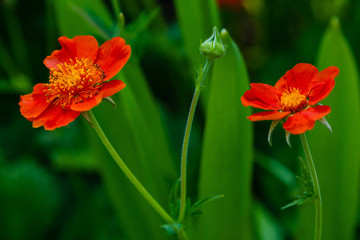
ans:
x=292 y=100
x=74 y=81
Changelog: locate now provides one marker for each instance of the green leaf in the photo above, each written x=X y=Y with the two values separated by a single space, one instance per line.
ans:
x=196 y=19
x=141 y=23
x=307 y=187
x=227 y=152
x=197 y=207
x=266 y=225
x=276 y=169
x=91 y=18
x=337 y=155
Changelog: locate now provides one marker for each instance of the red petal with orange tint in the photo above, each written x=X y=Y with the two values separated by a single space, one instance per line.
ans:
x=108 y=89
x=324 y=85
x=111 y=87
x=305 y=120
x=261 y=96
x=301 y=76
x=78 y=47
x=271 y=115
x=55 y=117
x=33 y=104
x=112 y=56
x=87 y=104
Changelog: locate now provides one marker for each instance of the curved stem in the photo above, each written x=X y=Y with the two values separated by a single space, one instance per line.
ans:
x=131 y=176
x=318 y=202
x=185 y=146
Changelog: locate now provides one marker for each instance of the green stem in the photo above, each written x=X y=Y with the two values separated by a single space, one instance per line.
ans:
x=185 y=146
x=131 y=176
x=318 y=202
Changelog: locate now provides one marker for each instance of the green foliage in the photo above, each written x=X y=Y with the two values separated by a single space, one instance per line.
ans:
x=138 y=136
x=227 y=150
x=266 y=225
x=91 y=18
x=29 y=201
x=196 y=208
x=276 y=169
x=196 y=18
x=172 y=229
x=337 y=156
x=81 y=223
x=64 y=185
x=306 y=185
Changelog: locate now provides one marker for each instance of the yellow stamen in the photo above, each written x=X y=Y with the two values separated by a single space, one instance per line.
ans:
x=75 y=80
x=292 y=100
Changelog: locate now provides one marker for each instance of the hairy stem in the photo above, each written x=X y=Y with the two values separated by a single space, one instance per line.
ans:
x=318 y=202
x=185 y=146
x=131 y=176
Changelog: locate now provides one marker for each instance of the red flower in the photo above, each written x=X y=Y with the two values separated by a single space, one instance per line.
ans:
x=79 y=80
x=294 y=97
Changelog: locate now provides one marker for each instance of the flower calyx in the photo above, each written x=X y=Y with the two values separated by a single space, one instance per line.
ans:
x=110 y=100
x=87 y=117
x=213 y=47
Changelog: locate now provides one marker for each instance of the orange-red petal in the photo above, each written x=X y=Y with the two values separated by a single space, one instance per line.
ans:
x=55 y=117
x=305 y=120
x=261 y=96
x=112 y=87
x=323 y=87
x=302 y=77
x=87 y=104
x=77 y=47
x=108 y=89
x=112 y=56
x=270 y=115
x=33 y=104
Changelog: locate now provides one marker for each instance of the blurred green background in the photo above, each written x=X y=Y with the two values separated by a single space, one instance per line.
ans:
x=63 y=184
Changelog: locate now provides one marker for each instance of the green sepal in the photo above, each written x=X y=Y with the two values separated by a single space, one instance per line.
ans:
x=287 y=136
x=324 y=122
x=110 y=100
x=87 y=117
x=213 y=47
x=271 y=129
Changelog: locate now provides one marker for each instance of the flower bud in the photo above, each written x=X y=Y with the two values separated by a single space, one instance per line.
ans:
x=213 y=47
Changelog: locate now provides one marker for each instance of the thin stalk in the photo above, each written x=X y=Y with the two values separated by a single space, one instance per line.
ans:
x=131 y=176
x=318 y=202
x=116 y=7
x=185 y=146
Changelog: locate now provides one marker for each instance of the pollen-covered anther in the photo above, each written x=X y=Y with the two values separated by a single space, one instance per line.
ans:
x=76 y=79
x=292 y=100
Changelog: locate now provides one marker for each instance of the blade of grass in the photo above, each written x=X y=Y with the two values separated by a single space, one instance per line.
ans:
x=17 y=39
x=196 y=19
x=91 y=18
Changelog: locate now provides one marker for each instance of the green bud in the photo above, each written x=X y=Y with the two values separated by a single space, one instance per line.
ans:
x=213 y=47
